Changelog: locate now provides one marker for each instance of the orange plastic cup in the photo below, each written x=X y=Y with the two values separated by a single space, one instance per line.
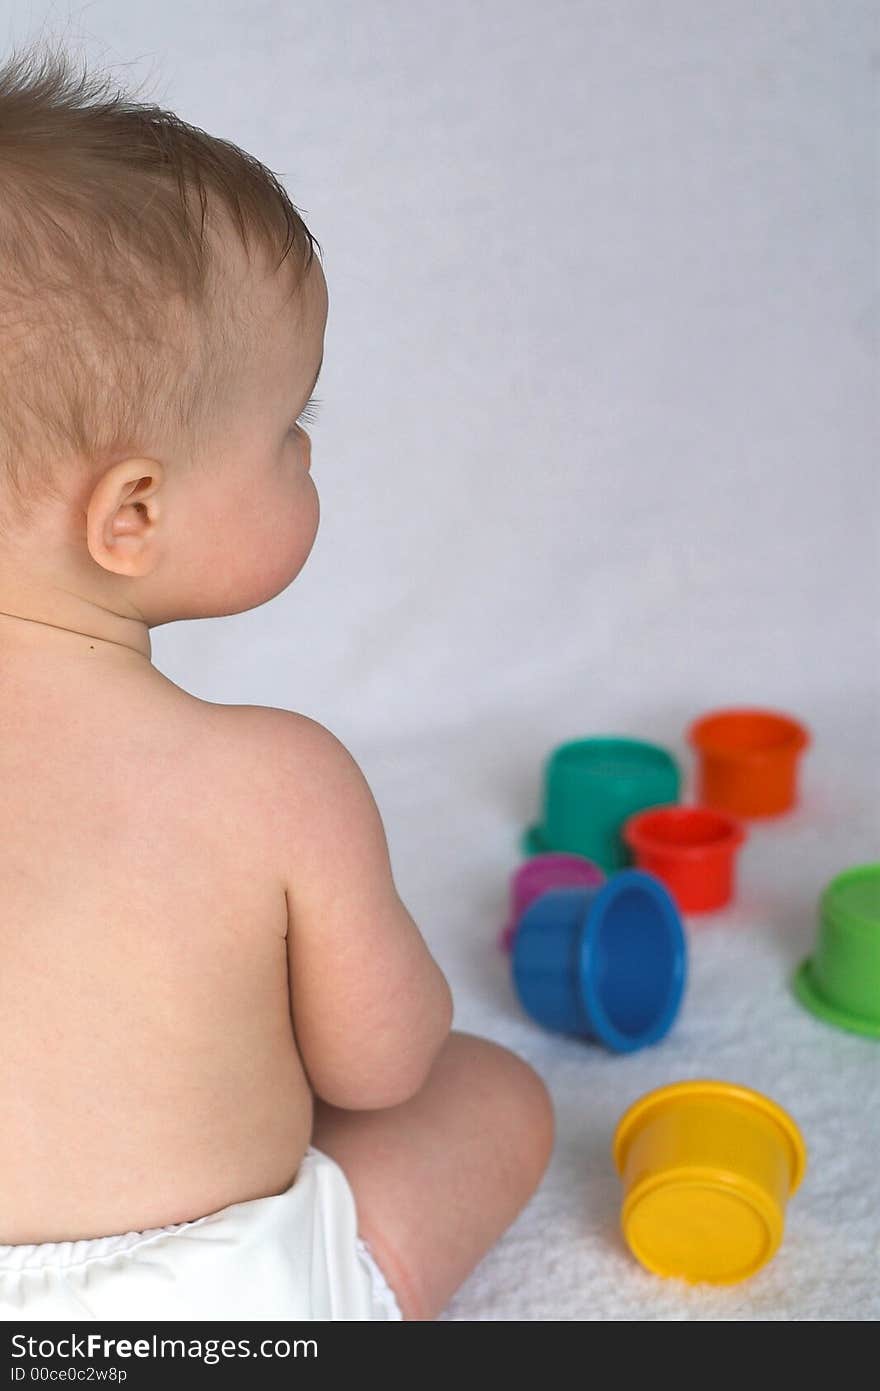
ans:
x=691 y=849
x=748 y=760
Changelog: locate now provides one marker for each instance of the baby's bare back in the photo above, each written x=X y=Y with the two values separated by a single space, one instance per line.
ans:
x=148 y=1068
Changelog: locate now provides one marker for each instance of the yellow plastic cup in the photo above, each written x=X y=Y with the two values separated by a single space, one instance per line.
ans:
x=707 y=1169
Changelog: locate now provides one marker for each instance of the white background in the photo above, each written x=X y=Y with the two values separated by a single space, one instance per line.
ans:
x=597 y=453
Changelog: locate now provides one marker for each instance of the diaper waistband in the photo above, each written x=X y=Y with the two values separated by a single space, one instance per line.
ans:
x=66 y=1254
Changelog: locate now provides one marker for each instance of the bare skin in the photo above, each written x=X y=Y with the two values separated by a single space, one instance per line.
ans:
x=205 y=962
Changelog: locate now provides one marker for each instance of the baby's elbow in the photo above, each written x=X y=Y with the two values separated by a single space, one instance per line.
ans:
x=445 y=1015
x=416 y=1068
x=438 y=1033
x=400 y=1080
x=395 y=1086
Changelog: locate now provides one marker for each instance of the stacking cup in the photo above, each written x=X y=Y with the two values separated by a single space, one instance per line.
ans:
x=748 y=760
x=691 y=849
x=840 y=983
x=707 y=1170
x=607 y=964
x=543 y=872
x=591 y=786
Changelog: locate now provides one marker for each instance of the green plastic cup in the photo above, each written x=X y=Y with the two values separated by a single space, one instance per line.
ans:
x=840 y=982
x=591 y=787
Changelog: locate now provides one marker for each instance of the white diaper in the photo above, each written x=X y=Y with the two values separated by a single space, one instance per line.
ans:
x=294 y=1256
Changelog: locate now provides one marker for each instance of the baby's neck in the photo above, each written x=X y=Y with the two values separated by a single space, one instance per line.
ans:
x=54 y=617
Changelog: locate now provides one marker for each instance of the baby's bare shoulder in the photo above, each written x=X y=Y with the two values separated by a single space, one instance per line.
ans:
x=309 y=796
x=286 y=762
x=280 y=738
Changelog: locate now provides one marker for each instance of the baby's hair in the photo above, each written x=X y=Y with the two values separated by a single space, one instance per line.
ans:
x=116 y=330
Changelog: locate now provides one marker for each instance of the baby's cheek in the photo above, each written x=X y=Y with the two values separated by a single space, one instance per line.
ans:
x=293 y=524
x=304 y=512
x=268 y=534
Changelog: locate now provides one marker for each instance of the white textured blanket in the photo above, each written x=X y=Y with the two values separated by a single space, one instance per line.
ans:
x=597 y=454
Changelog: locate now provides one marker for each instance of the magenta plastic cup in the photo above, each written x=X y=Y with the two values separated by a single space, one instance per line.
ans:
x=555 y=870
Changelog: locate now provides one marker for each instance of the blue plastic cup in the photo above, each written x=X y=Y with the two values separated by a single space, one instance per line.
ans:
x=607 y=964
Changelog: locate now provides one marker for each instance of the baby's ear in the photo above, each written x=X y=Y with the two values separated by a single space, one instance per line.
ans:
x=122 y=516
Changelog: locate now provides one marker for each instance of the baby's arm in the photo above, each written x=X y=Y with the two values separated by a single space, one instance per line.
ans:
x=371 y=1008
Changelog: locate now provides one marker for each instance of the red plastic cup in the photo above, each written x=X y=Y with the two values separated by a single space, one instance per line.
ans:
x=748 y=760
x=692 y=850
x=555 y=870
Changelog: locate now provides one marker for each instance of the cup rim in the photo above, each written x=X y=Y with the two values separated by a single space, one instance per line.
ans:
x=762 y=1204
x=591 y=995
x=717 y=1090
x=637 y=836
x=809 y=995
x=699 y=734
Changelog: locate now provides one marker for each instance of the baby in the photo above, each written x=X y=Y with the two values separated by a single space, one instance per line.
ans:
x=227 y=1079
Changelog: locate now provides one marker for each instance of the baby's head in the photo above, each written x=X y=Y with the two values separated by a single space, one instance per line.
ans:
x=162 y=320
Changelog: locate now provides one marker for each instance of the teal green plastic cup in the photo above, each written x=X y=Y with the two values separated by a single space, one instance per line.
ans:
x=591 y=787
